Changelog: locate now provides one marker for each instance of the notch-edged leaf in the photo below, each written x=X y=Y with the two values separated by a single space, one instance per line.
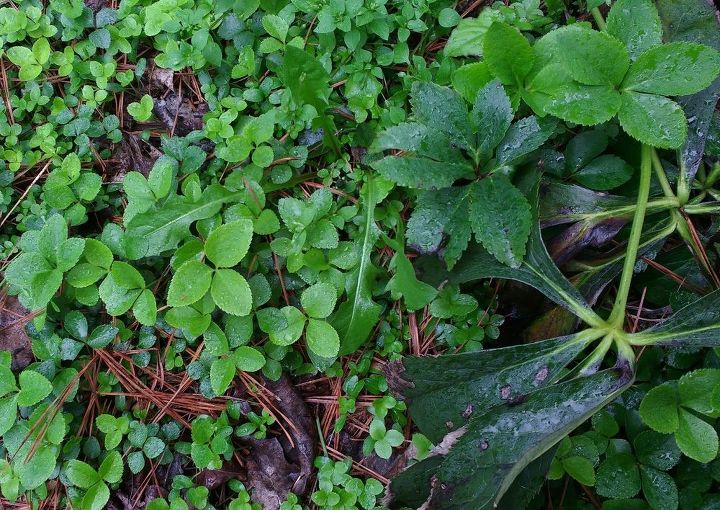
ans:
x=678 y=68
x=474 y=466
x=421 y=173
x=636 y=23
x=441 y=109
x=228 y=244
x=590 y=57
x=492 y=114
x=468 y=36
x=189 y=284
x=586 y=105
x=696 y=438
x=523 y=137
x=653 y=120
x=694 y=21
x=507 y=53
x=500 y=218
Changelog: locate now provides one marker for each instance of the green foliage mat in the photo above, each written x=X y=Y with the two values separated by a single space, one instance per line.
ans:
x=359 y=254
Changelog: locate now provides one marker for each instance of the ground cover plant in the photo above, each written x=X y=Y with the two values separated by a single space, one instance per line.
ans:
x=292 y=254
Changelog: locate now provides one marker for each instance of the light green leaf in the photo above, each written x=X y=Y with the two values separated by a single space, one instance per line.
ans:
x=659 y=409
x=696 y=438
x=222 y=372
x=292 y=328
x=33 y=388
x=318 y=300
x=228 y=244
x=507 y=54
x=81 y=474
x=653 y=120
x=322 y=338
x=145 y=308
x=586 y=105
x=231 y=292
x=636 y=23
x=470 y=78
x=591 y=57
x=248 y=359
x=189 y=284
x=468 y=36
x=674 y=69
x=415 y=293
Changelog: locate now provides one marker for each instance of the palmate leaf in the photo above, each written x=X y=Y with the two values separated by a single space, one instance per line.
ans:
x=474 y=466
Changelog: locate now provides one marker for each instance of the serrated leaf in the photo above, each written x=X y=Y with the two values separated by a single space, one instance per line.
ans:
x=636 y=23
x=229 y=243
x=523 y=137
x=674 y=69
x=587 y=105
x=696 y=438
x=492 y=114
x=322 y=339
x=507 y=53
x=653 y=120
x=591 y=57
x=231 y=292
x=443 y=110
x=421 y=173
x=500 y=218
x=222 y=372
x=468 y=36
x=189 y=284
x=659 y=409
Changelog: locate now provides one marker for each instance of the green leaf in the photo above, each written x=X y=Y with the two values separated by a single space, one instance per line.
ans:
x=503 y=374
x=289 y=331
x=586 y=105
x=674 y=69
x=81 y=474
x=415 y=293
x=470 y=78
x=591 y=57
x=318 y=300
x=33 y=388
x=604 y=173
x=8 y=413
x=443 y=110
x=189 y=284
x=322 y=338
x=659 y=489
x=694 y=388
x=659 y=409
x=111 y=469
x=102 y=336
x=306 y=79
x=492 y=114
x=145 y=308
x=275 y=26
x=501 y=219
x=7 y=381
x=153 y=232
x=216 y=343
x=580 y=468
x=126 y=276
x=507 y=54
x=653 y=120
x=694 y=21
x=228 y=244
x=356 y=317
x=696 y=438
x=222 y=372
x=420 y=173
x=656 y=450
x=96 y=497
x=44 y=286
x=618 y=477
x=523 y=137
x=231 y=292
x=468 y=36
x=636 y=23
x=248 y=359
x=487 y=454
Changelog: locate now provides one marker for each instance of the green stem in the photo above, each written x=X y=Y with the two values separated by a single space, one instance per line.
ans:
x=617 y=316
x=661 y=176
x=599 y=20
